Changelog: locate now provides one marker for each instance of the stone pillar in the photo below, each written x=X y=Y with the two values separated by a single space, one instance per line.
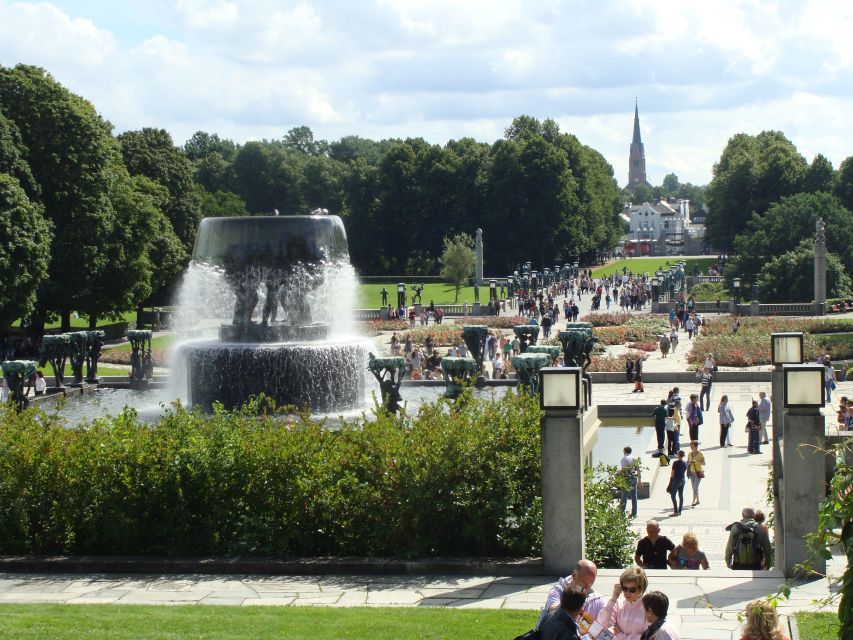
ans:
x=820 y=269
x=563 y=537
x=754 y=308
x=777 y=399
x=802 y=486
x=478 y=247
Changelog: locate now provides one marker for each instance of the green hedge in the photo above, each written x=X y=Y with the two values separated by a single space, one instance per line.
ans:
x=456 y=480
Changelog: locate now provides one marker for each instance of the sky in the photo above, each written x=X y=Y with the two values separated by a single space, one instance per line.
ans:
x=446 y=69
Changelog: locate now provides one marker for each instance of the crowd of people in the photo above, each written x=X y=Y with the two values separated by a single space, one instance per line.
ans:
x=575 y=610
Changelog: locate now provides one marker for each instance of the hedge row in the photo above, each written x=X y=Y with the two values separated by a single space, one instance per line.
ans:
x=456 y=480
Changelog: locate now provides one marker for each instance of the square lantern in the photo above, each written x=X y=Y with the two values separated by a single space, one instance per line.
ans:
x=803 y=385
x=786 y=348
x=560 y=388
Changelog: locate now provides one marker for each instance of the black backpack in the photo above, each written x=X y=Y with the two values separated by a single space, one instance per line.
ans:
x=747 y=549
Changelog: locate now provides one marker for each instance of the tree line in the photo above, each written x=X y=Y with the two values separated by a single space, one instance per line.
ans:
x=99 y=223
x=764 y=201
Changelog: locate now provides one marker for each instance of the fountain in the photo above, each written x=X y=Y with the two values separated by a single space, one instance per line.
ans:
x=291 y=263
x=94 y=341
x=551 y=350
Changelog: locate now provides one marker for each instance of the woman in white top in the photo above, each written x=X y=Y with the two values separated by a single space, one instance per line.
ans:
x=656 y=605
x=41 y=384
x=726 y=420
x=4 y=391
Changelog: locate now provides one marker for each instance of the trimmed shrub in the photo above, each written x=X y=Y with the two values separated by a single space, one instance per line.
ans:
x=457 y=479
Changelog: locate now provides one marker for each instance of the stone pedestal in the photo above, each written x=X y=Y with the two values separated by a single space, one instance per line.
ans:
x=754 y=308
x=777 y=400
x=385 y=313
x=563 y=536
x=475 y=309
x=802 y=487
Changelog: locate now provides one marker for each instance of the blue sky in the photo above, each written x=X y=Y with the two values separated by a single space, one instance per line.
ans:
x=443 y=69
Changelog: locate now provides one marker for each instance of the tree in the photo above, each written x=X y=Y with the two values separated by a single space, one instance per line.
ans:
x=670 y=184
x=151 y=153
x=71 y=153
x=12 y=162
x=458 y=260
x=25 y=238
x=820 y=176
x=222 y=204
x=844 y=183
x=782 y=228
x=301 y=139
x=753 y=172
x=789 y=277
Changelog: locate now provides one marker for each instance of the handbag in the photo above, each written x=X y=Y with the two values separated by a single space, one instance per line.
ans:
x=700 y=474
x=669 y=486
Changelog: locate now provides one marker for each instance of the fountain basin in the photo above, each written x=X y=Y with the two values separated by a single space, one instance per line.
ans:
x=323 y=377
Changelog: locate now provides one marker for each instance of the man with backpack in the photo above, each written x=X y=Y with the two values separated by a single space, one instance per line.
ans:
x=749 y=545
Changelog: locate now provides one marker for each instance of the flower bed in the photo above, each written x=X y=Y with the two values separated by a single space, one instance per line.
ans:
x=161 y=357
x=375 y=327
x=443 y=335
x=494 y=322
x=606 y=318
x=613 y=363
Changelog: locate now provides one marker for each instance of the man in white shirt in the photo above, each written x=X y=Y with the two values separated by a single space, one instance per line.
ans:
x=583 y=575
x=628 y=468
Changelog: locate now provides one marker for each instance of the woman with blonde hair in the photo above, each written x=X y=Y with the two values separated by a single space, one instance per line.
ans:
x=762 y=623
x=687 y=555
x=624 y=614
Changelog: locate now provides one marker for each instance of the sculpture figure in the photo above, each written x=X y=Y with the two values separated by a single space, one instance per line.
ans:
x=475 y=337
x=16 y=373
x=820 y=231
x=78 y=348
x=55 y=349
x=93 y=354
x=384 y=293
x=476 y=292
x=527 y=334
x=527 y=366
x=389 y=374
x=456 y=372
x=141 y=360
x=416 y=299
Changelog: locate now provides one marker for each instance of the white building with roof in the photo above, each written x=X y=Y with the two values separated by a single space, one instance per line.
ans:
x=666 y=223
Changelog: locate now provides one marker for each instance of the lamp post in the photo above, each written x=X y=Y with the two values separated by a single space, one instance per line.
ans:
x=803 y=463
x=493 y=289
x=577 y=269
x=655 y=290
x=755 y=292
x=561 y=429
x=736 y=287
x=785 y=348
x=401 y=294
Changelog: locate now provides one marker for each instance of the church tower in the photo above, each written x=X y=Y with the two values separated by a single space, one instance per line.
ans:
x=637 y=156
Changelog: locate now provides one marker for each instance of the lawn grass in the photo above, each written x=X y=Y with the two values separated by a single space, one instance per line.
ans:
x=818 y=626
x=82 y=322
x=370 y=296
x=641 y=265
x=157 y=342
x=116 y=622
x=103 y=370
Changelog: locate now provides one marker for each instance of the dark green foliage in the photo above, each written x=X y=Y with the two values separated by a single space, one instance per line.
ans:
x=790 y=277
x=753 y=172
x=25 y=242
x=782 y=228
x=844 y=183
x=609 y=539
x=456 y=480
x=71 y=154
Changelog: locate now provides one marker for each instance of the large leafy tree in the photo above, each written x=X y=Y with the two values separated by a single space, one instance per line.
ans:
x=25 y=238
x=784 y=225
x=71 y=153
x=789 y=277
x=753 y=172
x=151 y=153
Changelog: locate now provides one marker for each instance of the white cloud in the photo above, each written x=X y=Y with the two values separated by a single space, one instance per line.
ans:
x=442 y=69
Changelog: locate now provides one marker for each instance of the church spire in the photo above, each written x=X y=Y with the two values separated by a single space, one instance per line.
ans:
x=637 y=139
x=636 y=155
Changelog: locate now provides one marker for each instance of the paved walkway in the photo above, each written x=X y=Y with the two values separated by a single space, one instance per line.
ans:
x=733 y=480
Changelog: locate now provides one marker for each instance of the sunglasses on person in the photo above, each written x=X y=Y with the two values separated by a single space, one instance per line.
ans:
x=630 y=589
